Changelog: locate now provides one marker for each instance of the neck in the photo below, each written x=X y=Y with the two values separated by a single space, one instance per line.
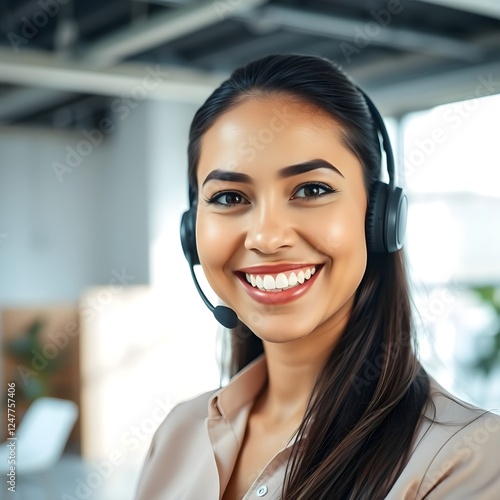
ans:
x=293 y=368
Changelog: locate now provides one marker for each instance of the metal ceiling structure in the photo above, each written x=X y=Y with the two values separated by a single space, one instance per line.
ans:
x=62 y=60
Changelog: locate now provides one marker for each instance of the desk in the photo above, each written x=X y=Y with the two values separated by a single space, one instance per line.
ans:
x=74 y=479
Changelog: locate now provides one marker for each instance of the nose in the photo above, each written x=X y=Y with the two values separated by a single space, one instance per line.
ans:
x=269 y=231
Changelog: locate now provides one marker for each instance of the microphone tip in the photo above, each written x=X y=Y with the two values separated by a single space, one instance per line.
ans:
x=226 y=316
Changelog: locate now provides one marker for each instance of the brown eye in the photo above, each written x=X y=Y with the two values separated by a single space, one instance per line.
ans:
x=228 y=198
x=231 y=199
x=312 y=190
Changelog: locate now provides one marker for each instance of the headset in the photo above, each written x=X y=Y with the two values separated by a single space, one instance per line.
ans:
x=387 y=212
x=385 y=224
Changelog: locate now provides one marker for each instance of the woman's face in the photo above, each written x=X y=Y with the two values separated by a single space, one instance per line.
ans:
x=281 y=218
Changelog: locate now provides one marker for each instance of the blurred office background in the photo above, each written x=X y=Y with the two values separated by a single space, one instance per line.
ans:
x=96 y=97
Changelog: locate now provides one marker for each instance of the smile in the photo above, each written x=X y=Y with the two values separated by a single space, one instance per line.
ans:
x=281 y=281
x=286 y=284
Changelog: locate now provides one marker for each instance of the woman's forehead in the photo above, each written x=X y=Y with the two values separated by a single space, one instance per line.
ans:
x=275 y=112
x=260 y=125
x=259 y=136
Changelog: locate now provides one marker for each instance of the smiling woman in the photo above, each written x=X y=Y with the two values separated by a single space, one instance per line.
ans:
x=289 y=209
x=302 y=243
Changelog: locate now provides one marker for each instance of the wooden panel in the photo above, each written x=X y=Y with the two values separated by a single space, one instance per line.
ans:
x=41 y=364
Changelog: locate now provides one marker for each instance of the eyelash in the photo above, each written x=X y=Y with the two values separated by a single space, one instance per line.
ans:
x=325 y=187
x=213 y=200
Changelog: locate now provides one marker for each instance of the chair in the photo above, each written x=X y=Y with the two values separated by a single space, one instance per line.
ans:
x=41 y=435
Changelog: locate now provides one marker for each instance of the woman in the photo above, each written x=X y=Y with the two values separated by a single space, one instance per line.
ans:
x=327 y=399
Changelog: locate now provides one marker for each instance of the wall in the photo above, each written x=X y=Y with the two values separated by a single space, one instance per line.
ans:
x=68 y=230
x=115 y=215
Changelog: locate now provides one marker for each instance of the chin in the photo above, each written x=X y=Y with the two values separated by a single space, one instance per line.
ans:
x=279 y=332
x=274 y=338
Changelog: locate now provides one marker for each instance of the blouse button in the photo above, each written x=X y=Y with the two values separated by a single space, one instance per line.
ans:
x=262 y=490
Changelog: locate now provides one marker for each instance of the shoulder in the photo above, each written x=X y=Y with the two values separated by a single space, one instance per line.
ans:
x=455 y=454
x=184 y=416
x=454 y=418
x=179 y=448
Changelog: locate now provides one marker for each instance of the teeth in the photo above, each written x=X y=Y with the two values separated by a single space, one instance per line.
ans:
x=269 y=283
x=251 y=279
x=281 y=281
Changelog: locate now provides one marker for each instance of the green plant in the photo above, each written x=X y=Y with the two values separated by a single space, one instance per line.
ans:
x=489 y=359
x=23 y=349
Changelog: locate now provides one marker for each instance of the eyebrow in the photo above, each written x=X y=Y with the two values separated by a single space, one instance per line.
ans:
x=307 y=166
x=283 y=173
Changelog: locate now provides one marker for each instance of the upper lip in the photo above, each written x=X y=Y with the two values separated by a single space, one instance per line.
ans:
x=274 y=269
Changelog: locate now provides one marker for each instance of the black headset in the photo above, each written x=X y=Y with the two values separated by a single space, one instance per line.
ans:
x=385 y=224
x=387 y=212
x=188 y=231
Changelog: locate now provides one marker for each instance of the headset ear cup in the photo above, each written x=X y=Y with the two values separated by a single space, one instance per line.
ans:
x=188 y=236
x=396 y=217
x=386 y=218
x=375 y=217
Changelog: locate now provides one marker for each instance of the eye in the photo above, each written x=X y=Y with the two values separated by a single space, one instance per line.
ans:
x=227 y=199
x=312 y=190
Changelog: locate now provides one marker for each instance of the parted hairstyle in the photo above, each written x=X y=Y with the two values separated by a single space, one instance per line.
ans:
x=360 y=422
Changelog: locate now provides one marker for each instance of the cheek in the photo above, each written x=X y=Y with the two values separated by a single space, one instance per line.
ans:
x=345 y=246
x=216 y=243
x=208 y=238
x=340 y=235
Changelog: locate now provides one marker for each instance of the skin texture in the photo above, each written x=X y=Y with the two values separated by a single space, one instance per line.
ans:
x=273 y=223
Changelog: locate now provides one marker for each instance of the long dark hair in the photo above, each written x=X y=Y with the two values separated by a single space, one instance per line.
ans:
x=359 y=426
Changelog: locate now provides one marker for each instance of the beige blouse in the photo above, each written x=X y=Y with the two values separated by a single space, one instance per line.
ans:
x=194 y=450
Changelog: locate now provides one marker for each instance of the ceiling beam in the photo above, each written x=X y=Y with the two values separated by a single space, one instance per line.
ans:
x=53 y=76
x=194 y=86
x=161 y=28
x=104 y=53
x=489 y=8
x=235 y=53
x=427 y=91
x=393 y=68
x=361 y=32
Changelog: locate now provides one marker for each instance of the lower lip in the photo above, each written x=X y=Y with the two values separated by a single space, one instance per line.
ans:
x=278 y=298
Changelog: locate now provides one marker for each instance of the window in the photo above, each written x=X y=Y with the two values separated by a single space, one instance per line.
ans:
x=452 y=177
